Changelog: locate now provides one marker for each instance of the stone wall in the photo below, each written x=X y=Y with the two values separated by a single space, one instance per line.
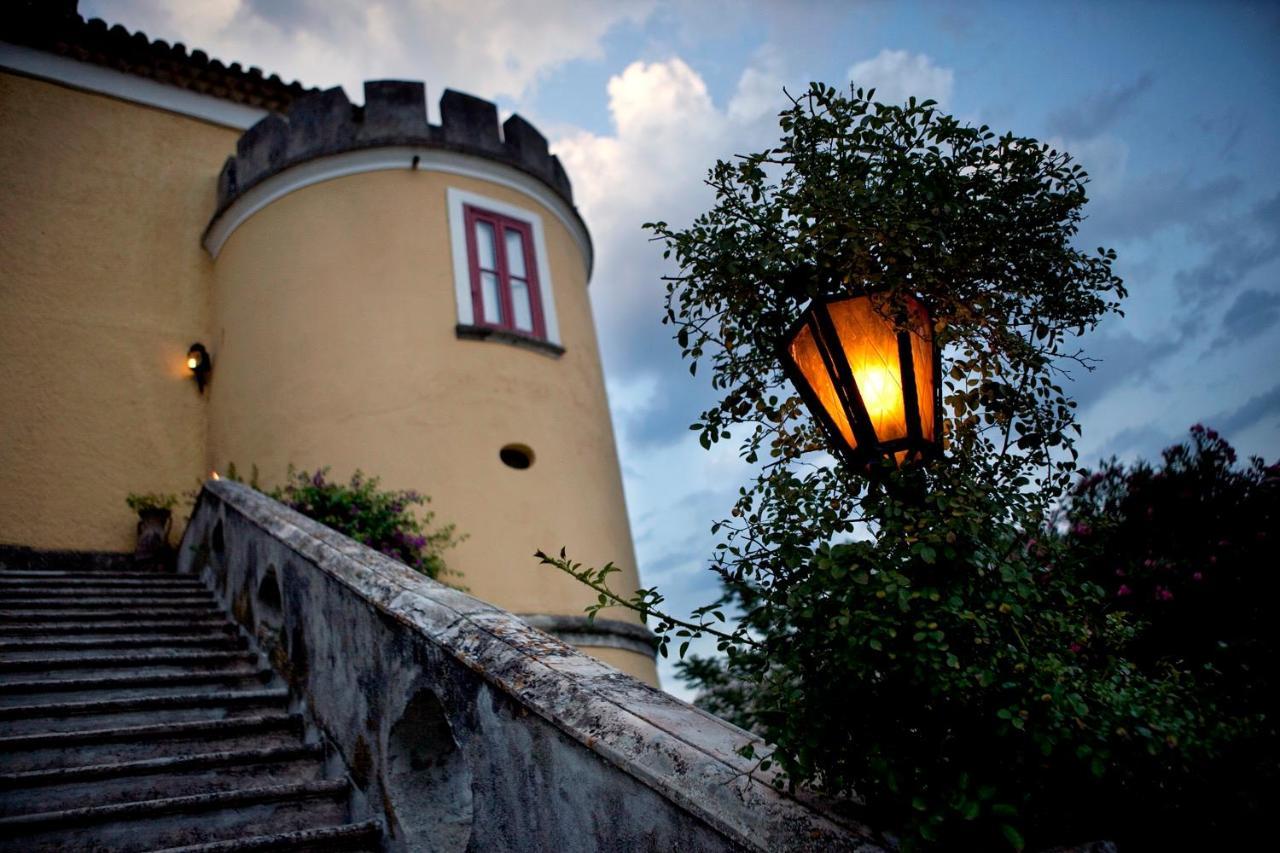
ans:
x=466 y=728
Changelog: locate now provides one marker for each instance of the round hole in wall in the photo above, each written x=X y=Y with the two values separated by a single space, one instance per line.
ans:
x=518 y=456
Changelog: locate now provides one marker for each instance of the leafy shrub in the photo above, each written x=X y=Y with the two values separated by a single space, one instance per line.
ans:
x=382 y=519
x=1111 y=676
x=142 y=502
x=920 y=641
x=1185 y=551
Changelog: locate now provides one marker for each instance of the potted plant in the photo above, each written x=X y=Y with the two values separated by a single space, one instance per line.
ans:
x=155 y=515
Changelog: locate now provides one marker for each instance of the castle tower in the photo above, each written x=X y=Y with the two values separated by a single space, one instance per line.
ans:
x=376 y=292
x=411 y=300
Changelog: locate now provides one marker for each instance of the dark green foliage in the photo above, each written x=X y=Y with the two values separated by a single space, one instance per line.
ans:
x=1185 y=551
x=382 y=519
x=920 y=640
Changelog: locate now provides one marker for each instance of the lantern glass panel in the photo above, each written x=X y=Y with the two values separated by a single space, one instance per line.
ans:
x=808 y=359
x=921 y=331
x=870 y=347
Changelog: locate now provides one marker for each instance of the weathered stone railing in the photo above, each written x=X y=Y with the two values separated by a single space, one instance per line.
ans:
x=465 y=727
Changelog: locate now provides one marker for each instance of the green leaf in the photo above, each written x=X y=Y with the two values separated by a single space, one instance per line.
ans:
x=1014 y=837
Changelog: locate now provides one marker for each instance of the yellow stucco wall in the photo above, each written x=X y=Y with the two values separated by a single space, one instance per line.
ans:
x=334 y=344
x=330 y=315
x=103 y=285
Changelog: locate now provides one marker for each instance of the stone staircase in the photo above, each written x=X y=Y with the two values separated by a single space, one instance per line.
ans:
x=134 y=716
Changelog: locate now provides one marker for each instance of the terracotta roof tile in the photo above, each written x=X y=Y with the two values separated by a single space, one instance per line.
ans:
x=57 y=27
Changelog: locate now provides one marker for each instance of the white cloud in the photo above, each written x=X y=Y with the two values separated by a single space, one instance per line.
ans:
x=897 y=75
x=488 y=47
x=759 y=89
x=667 y=132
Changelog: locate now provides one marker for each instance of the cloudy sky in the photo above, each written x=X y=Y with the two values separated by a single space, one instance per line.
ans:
x=1171 y=106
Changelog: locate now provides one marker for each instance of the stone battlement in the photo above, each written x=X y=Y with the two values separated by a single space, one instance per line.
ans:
x=394 y=113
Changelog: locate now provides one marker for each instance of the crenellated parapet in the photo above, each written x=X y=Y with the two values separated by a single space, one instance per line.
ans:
x=394 y=113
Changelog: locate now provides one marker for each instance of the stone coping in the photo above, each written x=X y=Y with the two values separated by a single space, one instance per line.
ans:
x=609 y=633
x=686 y=755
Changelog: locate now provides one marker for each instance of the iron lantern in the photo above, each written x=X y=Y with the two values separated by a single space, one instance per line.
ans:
x=868 y=370
x=199 y=363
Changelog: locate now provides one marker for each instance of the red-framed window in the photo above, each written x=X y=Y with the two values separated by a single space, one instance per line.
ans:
x=504 y=273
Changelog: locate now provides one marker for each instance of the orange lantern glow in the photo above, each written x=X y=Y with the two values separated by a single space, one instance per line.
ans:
x=874 y=384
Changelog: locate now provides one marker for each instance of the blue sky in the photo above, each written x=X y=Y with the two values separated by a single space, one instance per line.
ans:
x=1172 y=108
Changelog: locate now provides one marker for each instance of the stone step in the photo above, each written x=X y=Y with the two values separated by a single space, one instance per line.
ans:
x=47 y=750
x=91 y=575
x=176 y=821
x=89 y=662
x=352 y=837
x=18 y=599
x=57 y=589
x=157 y=778
x=128 y=685
x=73 y=602
x=106 y=614
x=207 y=704
x=102 y=629
x=61 y=581
x=122 y=641
x=95 y=707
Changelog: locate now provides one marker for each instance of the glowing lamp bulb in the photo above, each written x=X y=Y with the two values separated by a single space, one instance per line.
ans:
x=199 y=363
x=868 y=370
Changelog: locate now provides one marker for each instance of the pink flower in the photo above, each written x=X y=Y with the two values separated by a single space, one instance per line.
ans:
x=1197 y=577
x=1124 y=590
x=1163 y=594
x=1076 y=648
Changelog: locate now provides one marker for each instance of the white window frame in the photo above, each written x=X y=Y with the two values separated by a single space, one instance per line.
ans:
x=458 y=200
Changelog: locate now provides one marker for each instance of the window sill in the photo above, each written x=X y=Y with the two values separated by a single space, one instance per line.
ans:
x=506 y=336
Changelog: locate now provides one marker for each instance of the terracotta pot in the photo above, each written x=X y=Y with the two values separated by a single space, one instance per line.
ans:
x=153 y=533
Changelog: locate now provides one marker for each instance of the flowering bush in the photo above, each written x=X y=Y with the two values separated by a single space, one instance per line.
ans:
x=383 y=520
x=1185 y=553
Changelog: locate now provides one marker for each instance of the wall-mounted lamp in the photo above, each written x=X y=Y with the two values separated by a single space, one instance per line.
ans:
x=199 y=363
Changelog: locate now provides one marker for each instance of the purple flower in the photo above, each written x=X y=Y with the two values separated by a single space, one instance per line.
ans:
x=1123 y=590
x=1081 y=529
x=1076 y=648
x=318 y=479
x=1163 y=594
x=1197 y=576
